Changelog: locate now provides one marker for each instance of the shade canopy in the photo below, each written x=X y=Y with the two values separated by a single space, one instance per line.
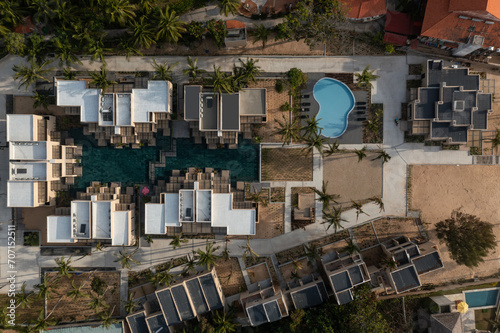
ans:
x=462 y=307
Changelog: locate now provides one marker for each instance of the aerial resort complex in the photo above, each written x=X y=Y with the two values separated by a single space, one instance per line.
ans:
x=170 y=166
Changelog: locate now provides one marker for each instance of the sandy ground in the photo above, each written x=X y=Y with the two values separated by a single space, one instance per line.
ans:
x=24 y=105
x=352 y=180
x=437 y=190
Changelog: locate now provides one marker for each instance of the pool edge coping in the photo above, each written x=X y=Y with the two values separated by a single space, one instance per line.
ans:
x=483 y=289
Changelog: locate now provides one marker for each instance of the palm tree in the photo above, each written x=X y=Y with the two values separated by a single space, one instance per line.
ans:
x=229 y=6
x=163 y=71
x=70 y=74
x=11 y=12
x=351 y=248
x=126 y=259
x=225 y=252
x=178 y=241
x=98 y=304
x=192 y=71
x=261 y=33
x=76 y=292
x=128 y=48
x=149 y=239
x=315 y=141
x=99 y=247
x=100 y=79
x=190 y=266
x=333 y=219
x=382 y=155
x=312 y=127
x=361 y=153
x=120 y=11
x=359 y=210
x=96 y=49
x=64 y=267
x=332 y=149
x=249 y=70
x=324 y=197
x=65 y=12
x=379 y=202
x=495 y=142
x=107 y=318
x=43 y=10
x=288 y=131
x=224 y=322
x=41 y=98
x=365 y=78
x=42 y=323
x=130 y=303
x=64 y=51
x=164 y=278
x=27 y=75
x=221 y=82
x=170 y=26
x=208 y=257
x=295 y=276
x=24 y=298
x=312 y=253
x=142 y=33
x=389 y=263
x=259 y=198
x=248 y=251
x=44 y=288
x=297 y=265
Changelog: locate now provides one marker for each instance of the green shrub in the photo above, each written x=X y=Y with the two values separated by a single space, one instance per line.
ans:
x=97 y=285
x=296 y=78
x=279 y=86
x=285 y=107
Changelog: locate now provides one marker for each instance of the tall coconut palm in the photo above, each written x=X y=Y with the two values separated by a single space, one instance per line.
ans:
x=28 y=75
x=332 y=149
x=99 y=247
x=261 y=33
x=100 y=79
x=288 y=131
x=359 y=208
x=312 y=127
x=379 y=202
x=221 y=81
x=130 y=305
x=163 y=71
x=324 y=197
x=96 y=50
x=65 y=11
x=42 y=323
x=76 y=291
x=64 y=267
x=189 y=266
x=142 y=33
x=42 y=98
x=44 y=10
x=178 y=241
x=45 y=287
x=120 y=11
x=98 y=304
x=382 y=155
x=333 y=219
x=127 y=48
x=192 y=71
x=259 y=198
x=315 y=141
x=361 y=153
x=24 y=298
x=249 y=70
x=248 y=251
x=170 y=26
x=11 y=12
x=164 y=278
x=351 y=248
x=64 y=51
x=107 y=318
x=229 y=7
x=495 y=142
x=126 y=258
x=312 y=253
x=224 y=322
x=207 y=258
x=365 y=77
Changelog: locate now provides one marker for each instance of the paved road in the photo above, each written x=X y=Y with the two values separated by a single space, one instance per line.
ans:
x=389 y=89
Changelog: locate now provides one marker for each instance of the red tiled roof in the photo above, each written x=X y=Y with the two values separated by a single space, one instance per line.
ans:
x=441 y=23
x=25 y=27
x=365 y=8
x=233 y=24
x=400 y=23
x=395 y=39
x=485 y=7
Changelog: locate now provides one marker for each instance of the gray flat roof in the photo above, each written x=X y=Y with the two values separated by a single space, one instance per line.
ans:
x=451 y=76
x=308 y=297
x=273 y=311
x=344 y=297
x=192 y=102
x=257 y=315
x=168 y=307
x=182 y=303
x=405 y=279
x=157 y=324
x=194 y=289
x=253 y=102
x=426 y=109
x=445 y=130
x=356 y=275
x=341 y=281
x=212 y=296
x=209 y=112
x=230 y=112
x=137 y=322
x=428 y=263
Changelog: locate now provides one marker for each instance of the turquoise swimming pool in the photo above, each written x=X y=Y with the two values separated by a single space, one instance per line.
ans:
x=336 y=101
x=482 y=298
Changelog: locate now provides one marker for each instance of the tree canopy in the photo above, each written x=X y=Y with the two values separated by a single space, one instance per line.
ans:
x=468 y=239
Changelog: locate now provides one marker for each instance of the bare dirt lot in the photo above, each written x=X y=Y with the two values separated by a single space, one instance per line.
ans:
x=437 y=190
x=352 y=180
x=286 y=164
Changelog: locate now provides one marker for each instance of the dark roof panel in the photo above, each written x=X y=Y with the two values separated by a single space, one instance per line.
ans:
x=355 y=274
x=428 y=263
x=344 y=297
x=426 y=109
x=157 y=324
x=192 y=102
x=168 y=307
x=210 y=290
x=257 y=315
x=273 y=311
x=341 y=281
x=182 y=303
x=194 y=289
x=230 y=112
x=405 y=279
x=445 y=130
x=137 y=323
x=306 y=298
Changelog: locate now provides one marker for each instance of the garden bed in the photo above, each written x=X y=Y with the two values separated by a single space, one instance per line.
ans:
x=290 y=254
x=373 y=127
x=230 y=276
x=277 y=194
x=389 y=228
x=344 y=234
x=365 y=236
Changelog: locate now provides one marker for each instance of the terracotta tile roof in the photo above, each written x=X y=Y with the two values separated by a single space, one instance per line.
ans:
x=365 y=8
x=395 y=39
x=480 y=6
x=25 y=27
x=400 y=23
x=441 y=23
x=233 y=24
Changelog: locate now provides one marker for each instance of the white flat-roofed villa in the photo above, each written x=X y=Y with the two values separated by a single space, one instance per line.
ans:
x=39 y=165
x=101 y=217
x=128 y=116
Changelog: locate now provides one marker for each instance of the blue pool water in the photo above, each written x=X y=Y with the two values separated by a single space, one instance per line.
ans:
x=483 y=298
x=335 y=102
